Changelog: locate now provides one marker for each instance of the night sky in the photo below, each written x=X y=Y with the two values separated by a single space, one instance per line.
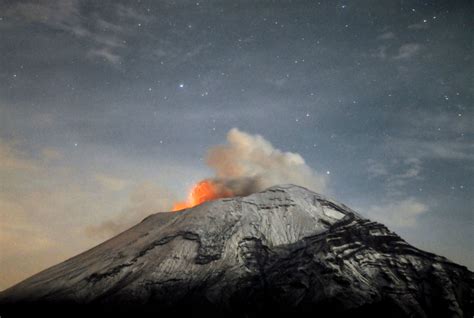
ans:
x=108 y=108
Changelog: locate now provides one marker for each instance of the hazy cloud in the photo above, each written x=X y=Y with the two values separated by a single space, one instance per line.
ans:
x=407 y=51
x=106 y=37
x=403 y=52
x=44 y=208
x=51 y=154
x=386 y=36
x=376 y=169
x=400 y=213
x=57 y=14
x=106 y=54
x=380 y=52
x=13 y=159
x=395 y=174
x=145 y=199
x=111 y=183
x=429 y=149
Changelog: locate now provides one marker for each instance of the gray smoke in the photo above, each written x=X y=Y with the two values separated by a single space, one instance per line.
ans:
x=249 y=163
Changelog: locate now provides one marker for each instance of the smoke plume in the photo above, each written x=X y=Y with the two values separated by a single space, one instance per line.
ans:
x=249 y=163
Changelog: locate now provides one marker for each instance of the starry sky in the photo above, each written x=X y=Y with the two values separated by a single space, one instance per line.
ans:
x=108 y=108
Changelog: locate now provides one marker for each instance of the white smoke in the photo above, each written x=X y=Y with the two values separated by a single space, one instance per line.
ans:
x=249 y=163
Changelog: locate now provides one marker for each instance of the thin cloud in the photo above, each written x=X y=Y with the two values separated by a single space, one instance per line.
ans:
x=51 y=154
x=436 y=135
x=434 y=149
x=145 y=199
x=44 y=207
x=390 y=52
x=395 y=174
x=12 y=159
x=376 y=169
x=106 y=54
x=407 y=51
x=399 y=213
x=110 y=183
x=107 y=38
x=386 y=36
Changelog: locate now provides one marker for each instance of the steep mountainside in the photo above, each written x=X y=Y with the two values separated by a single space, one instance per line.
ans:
x=285 y=249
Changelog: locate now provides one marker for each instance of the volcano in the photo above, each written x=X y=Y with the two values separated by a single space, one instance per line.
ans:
x=281 y=251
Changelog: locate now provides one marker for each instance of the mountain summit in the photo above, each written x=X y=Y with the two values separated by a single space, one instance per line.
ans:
x=282 y=250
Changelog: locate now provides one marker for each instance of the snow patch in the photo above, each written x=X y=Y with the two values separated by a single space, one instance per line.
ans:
x=333 y=213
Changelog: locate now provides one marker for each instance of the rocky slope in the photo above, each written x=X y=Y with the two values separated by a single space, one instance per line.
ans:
x=285 y=249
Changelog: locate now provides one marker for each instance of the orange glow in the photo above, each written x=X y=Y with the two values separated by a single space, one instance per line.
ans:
x=203 y=191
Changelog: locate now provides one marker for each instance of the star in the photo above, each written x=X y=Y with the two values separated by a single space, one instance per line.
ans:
x=328 y=172
x=181 y=85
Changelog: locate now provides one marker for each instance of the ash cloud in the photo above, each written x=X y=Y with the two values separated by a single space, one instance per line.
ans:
x=145 y=199
x=244 y=165
x=250 y=163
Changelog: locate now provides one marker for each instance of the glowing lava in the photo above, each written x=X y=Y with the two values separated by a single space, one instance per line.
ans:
x=203 y=191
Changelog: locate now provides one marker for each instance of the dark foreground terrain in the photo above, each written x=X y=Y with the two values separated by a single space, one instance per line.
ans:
x=279 y=252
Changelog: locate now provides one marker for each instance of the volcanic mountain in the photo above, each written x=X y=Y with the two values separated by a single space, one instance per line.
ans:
x=283 y=250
